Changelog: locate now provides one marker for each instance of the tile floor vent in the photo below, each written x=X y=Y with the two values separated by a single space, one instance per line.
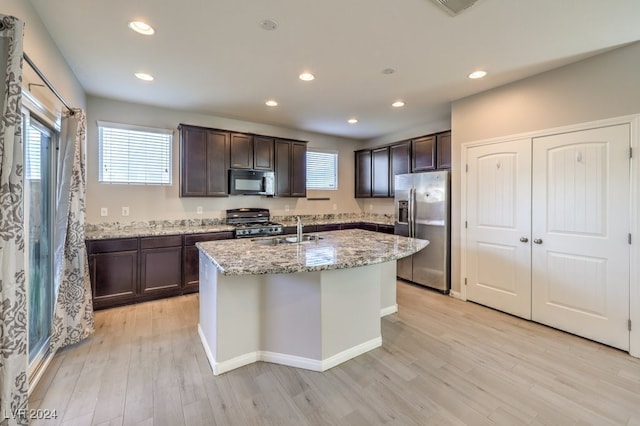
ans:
x=454 y=7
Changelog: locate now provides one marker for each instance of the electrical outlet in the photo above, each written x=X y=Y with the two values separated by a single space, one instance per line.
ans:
x=104 y=212
x=370 y=206
x=199 y=210
x=286 y=207
x=335 y=207
x=125 y=211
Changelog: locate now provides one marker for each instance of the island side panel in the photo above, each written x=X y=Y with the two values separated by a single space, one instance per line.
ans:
x=229 y=317
x=291 y=318
x=388 y=304
x=350 y=313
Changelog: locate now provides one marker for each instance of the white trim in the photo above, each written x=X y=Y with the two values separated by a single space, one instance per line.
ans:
x=634 y=199
x=37 y=108
x=457 y=295
x=388 y=310
x=285 y=359
x=42 y=368
x=634 y=273
x=134 y=127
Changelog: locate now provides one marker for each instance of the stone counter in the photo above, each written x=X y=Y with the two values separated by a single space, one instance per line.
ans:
x=335 y=250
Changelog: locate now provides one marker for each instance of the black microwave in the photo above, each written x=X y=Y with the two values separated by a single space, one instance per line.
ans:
x=251 y=182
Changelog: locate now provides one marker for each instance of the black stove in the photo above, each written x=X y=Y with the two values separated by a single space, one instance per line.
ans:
x=252 y=222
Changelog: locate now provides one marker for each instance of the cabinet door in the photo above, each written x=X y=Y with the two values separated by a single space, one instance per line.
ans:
x=424 y=153
x=263 y=153
x=443 y=147
x=191 y=259
x=114 y=278
x=161 y=270
x=298 y=169
x=380 y=172
x=193 y=161
x=217 y=163
x=363 y=174
x=399 y=162
x=204 y=157
x=241 y=151
x=283 y=168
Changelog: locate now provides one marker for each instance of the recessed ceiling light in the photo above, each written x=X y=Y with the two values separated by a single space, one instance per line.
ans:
x=397 y=104
x=352 y=120
x=268 y=25
x=306 y=76
x=144 y=76
x=477 y=74
x=141 y=27
x=271 y=103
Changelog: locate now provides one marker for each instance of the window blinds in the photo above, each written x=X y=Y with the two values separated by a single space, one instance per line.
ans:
x=322 y=169
x=134 y=154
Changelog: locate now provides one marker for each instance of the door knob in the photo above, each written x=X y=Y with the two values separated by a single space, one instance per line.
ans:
x=537 y=241
x=524 y=240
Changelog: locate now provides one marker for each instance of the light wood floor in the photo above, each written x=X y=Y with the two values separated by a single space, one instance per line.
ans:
x=442 y=361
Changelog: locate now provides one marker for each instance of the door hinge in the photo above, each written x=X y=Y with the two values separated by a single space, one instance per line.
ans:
x=629 y=238
x=629 y=324
x=466 y=168
x=465 y=224
x=630 y=152
x=465 y=281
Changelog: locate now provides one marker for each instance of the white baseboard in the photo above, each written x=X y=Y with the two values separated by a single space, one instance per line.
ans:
x=285 y=359
x=456 y=294
x=388 y=310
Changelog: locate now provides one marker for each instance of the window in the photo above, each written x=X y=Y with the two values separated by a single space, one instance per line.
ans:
x=322 y=169
x=134 y=155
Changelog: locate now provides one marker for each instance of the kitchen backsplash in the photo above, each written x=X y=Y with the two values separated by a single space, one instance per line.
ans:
x=154 y=224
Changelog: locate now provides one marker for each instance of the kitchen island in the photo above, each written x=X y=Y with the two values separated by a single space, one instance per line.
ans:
x=312 y=304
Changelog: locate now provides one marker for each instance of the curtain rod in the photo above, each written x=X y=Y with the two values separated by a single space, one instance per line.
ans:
x=44 y=79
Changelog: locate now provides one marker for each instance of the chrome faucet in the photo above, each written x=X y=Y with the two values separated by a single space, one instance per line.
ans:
x=299 y=229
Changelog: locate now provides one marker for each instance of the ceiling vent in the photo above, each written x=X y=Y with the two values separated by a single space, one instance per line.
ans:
x=454 y=7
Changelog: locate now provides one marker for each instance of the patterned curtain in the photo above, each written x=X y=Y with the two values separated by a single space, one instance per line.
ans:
x=13 y=294
x=73 y=312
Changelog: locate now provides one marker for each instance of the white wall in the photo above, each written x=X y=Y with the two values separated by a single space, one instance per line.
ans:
x=42 y=50
x=603 y=86
x=163 y=202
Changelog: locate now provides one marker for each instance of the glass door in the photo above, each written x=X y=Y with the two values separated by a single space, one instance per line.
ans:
x=39 y=177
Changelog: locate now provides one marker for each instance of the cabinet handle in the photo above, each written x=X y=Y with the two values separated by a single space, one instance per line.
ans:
x=524 y=240
x=537 y=241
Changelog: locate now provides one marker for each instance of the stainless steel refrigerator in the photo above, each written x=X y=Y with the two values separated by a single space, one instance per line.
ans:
x=422 y=205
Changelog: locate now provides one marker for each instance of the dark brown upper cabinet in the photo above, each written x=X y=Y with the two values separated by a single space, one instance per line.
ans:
x=204 y=157
x=399 y=162
x=251 y=152
x=380 y=172
x=290 y=168
x=424 y=153
x=241 y=151
x=363 y=173
x=443 y=143
x=263 y=147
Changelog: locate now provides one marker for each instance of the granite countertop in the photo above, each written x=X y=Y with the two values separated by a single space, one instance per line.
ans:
x=335 y=250
x=201 y=226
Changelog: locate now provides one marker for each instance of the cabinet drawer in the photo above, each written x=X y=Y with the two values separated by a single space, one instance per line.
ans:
x=110 y=246
x=190 y=240
x=164 y=241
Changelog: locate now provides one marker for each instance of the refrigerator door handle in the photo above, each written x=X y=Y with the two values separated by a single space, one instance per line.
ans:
x=412 y=213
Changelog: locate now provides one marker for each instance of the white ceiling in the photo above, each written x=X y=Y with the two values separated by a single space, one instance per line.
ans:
x=212 y=56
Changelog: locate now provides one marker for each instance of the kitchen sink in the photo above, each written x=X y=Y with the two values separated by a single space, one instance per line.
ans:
x=274 y=241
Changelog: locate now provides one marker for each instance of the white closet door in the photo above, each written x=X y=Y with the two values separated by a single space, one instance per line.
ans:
x=580 y=227
x=499 y=226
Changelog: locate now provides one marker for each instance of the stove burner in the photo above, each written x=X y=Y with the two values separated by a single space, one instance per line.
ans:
x=252 y=222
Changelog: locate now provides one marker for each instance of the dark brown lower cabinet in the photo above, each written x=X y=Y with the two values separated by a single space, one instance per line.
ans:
x=161 y=265
x=191 y=257
x=130 y=270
